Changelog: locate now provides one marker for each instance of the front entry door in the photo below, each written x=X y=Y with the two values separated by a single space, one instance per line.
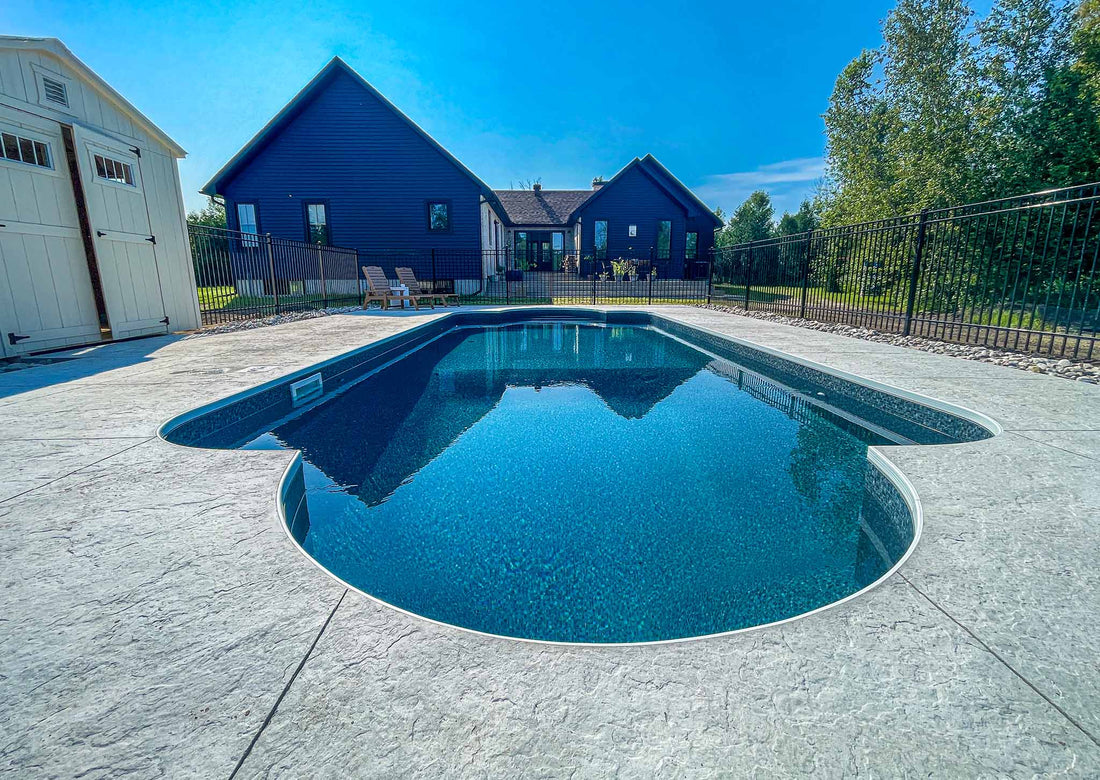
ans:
x=125 y=246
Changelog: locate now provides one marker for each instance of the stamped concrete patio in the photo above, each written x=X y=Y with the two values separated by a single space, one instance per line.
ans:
x=158 y=622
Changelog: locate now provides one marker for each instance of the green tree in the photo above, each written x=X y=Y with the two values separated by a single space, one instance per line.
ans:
x=752 y=221
x=802 y=221
x=210 y=215
x=1022 y=44
x=928 y=68
x=860 y=131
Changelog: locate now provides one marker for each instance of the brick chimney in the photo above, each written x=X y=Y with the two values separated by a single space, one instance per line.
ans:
x=536 y=187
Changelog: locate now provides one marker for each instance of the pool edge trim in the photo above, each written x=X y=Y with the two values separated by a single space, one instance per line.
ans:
x=875 y=457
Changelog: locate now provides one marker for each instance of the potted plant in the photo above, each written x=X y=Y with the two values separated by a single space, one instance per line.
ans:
x=570 y=264
x=630 y=270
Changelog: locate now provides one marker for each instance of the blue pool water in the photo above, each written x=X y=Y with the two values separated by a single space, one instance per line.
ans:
x=580 y=483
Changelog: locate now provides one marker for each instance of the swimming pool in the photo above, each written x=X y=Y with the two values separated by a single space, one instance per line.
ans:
x=595 y=482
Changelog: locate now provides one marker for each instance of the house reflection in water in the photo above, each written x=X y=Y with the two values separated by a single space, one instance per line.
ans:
x=380 y=433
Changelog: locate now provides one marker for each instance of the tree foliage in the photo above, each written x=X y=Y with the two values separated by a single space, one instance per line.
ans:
x=951 y=109
x=210 y=215
x=751 y=221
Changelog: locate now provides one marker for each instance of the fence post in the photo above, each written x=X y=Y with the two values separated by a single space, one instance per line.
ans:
x=651 y=258
x=271 y=268
x=710 y=275
x=593 y=281
x=321 y=266
x=806 y=274
x=433 y=271
x=507 y=284
x=748 y=277
x=914 y=276
x=359 y=276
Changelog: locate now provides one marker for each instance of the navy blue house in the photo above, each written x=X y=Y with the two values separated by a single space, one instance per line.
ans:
x=340 y=165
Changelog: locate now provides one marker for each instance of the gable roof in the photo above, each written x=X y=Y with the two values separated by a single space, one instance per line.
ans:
x=660 y=176
x=299 y=101
x=541 y=208
x=652 y=161
x=57 y=49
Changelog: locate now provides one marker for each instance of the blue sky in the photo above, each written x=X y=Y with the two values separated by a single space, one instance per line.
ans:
x=727 y=95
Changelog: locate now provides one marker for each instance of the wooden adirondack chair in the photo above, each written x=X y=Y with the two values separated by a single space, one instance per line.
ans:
x=408 y=278
x=379 y=290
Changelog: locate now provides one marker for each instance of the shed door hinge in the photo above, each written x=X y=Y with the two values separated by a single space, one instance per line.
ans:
x=165 y=320
x=14 y=339
x=135 y=150
x=152 y=239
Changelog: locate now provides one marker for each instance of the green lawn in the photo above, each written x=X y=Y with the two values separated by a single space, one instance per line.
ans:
x=227 y=299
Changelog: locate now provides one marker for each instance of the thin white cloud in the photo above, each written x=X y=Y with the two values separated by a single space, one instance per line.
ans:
x=788 y=182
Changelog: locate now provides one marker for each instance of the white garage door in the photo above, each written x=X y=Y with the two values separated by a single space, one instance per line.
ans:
x=46 y=295
x=125 y=247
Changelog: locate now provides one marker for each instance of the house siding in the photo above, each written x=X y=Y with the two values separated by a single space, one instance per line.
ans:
x=374 y=172
x=634 y=199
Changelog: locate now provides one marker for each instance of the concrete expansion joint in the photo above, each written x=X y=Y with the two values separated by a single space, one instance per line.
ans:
x=286 y=688
x=1000 y=658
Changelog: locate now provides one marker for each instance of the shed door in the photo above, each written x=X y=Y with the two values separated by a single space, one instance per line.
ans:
x=119 y=219
x=46 y=295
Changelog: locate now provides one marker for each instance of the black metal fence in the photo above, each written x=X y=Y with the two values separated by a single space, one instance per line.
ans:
x=1019 y=273
x=245 y=275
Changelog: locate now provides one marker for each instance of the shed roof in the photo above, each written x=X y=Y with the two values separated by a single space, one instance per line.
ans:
x=56 y=48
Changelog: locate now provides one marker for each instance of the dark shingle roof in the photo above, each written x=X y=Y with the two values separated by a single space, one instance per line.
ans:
x=541 y=207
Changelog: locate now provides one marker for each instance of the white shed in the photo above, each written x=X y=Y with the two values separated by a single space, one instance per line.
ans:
x=93 y=234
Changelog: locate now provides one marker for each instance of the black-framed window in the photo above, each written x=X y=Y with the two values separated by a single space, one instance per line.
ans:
x=317 y=230
x=439 y=216
x=557 y=248
x=691 y=248
x=521 y=247
x=248 y=222
x=664 y=239
x=599 y=238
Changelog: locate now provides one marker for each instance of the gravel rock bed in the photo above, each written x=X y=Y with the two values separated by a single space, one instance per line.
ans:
x=1066 y=368
x=278 y=319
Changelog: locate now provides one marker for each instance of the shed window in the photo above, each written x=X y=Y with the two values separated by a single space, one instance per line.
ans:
x=114 y=170
x=26 y=150
x=600 y=238
x=691 y=250
x=664 y=239
x=55 y=91
x=317 y=223
x=439 y=215
x=246 y=222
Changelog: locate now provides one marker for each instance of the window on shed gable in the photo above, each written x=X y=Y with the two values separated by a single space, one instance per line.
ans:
x=439 y=215
x=114 y=170
x=20 y=149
